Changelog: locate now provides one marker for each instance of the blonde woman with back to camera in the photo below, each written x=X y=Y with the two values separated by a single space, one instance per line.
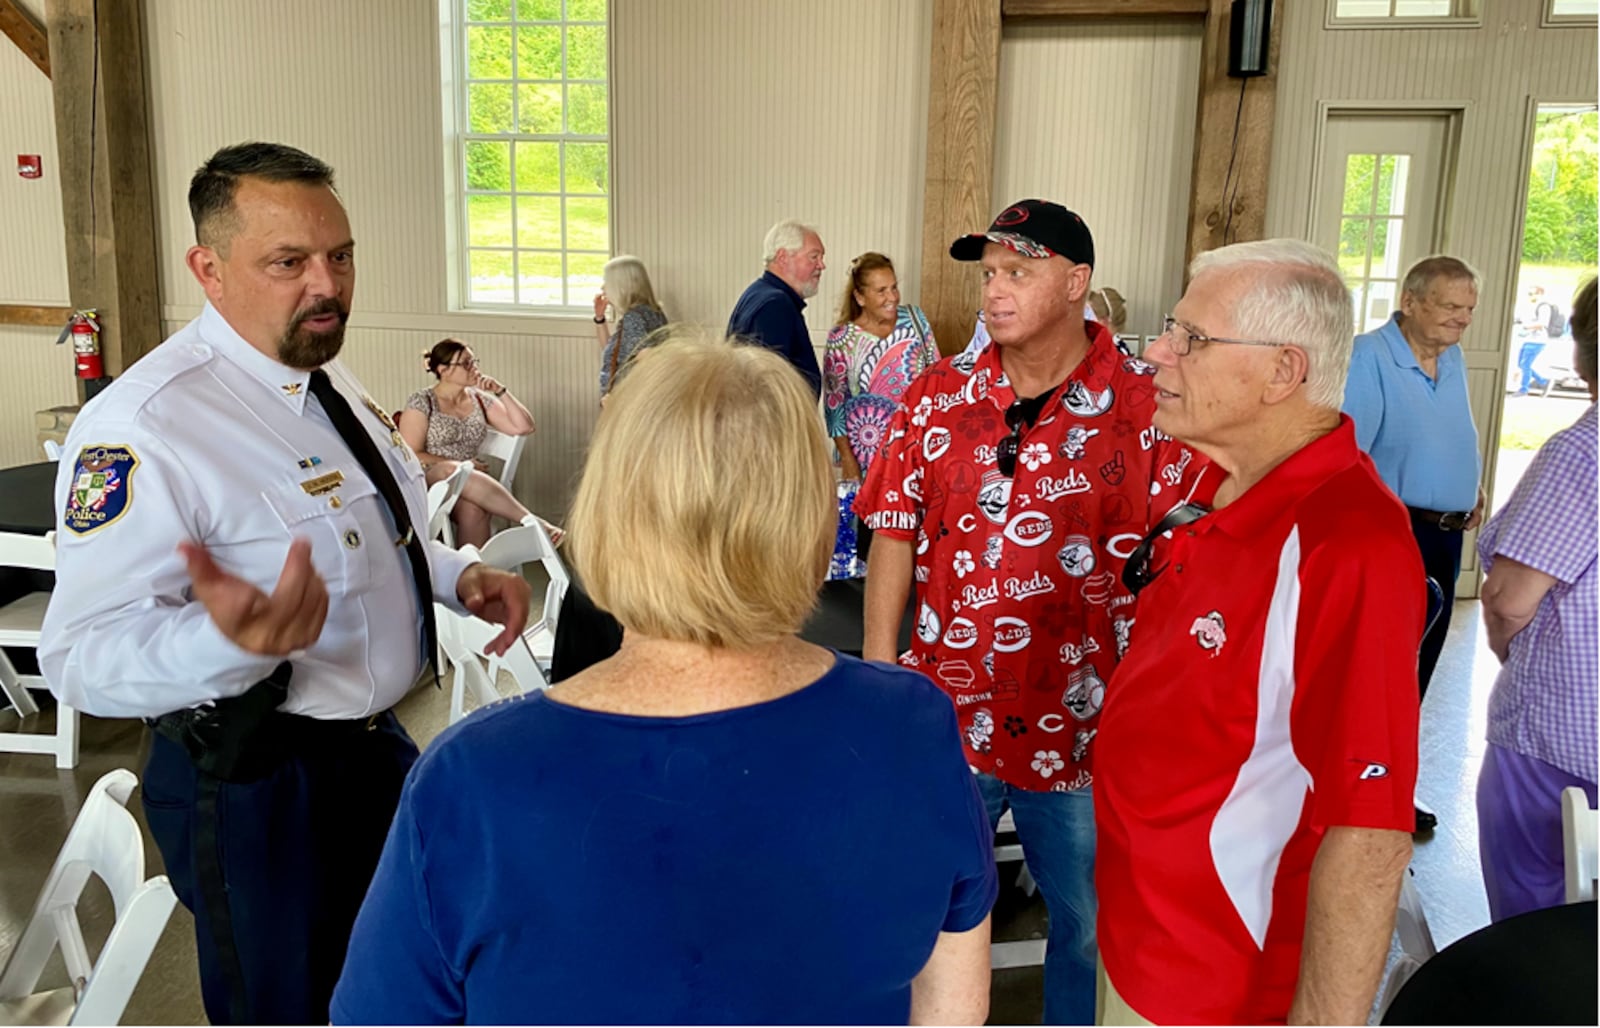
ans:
x=730 y=825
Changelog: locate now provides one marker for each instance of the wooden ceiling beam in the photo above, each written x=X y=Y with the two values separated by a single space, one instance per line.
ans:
x=1102 y=8
x=34 y=316
x=24 y=30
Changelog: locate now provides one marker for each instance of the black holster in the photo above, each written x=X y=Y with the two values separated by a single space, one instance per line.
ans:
x=233 y=739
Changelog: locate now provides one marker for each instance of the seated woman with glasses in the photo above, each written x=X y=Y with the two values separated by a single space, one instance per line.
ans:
x=722 y=823
x=446 y=425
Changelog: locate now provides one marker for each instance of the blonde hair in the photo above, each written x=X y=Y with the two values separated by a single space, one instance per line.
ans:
x=706 y=511
x=627 y=284
x=1109 y=309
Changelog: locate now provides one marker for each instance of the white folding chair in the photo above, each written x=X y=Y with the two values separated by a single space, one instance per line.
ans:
x=1580 y=844
x=1017 y=952
x=52 y=450
x=463 y=640
x=20 y=623
x=509 y=550
x=442 y=497
x=507 y=449
x=104 y=842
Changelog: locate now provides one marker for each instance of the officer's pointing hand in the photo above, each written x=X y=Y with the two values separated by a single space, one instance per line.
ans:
x=275 y=626
x=497 y=596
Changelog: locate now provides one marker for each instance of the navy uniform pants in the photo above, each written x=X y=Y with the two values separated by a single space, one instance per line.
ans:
x=275 y=870
x=1441 y=561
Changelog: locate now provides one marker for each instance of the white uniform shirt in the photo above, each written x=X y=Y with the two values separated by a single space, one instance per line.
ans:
x=209 y=439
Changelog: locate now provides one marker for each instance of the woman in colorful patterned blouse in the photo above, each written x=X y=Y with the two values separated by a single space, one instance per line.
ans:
x=873 y=353
x=626 y=290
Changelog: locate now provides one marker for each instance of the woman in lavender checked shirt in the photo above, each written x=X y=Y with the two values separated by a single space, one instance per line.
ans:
x=1540 y=600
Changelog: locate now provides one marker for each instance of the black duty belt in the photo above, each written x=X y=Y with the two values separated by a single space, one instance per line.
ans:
x=1445 y=520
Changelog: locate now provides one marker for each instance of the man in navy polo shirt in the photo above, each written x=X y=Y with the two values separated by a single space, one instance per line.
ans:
x=1407 y=394
x=769 y=311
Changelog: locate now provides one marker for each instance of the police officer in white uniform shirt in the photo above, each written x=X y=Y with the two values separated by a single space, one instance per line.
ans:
x=237 y=563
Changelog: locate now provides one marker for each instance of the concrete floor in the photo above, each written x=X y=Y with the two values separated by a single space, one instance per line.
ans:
x=38 y=803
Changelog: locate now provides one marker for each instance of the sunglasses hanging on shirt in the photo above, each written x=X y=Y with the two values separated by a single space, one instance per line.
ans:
x=1137 y=573
x=1020 y=413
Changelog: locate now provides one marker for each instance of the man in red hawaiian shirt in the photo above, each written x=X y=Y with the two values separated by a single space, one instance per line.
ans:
x=1012 y=486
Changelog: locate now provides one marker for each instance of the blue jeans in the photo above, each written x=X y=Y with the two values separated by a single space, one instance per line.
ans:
x=1056 y=830
x=1530 y=379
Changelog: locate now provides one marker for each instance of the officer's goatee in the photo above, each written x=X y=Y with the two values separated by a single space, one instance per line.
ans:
x=306 y=350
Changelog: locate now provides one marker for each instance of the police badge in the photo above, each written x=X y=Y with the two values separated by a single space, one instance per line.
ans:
x=102 y=487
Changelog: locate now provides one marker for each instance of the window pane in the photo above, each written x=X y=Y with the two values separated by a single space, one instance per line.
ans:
x=586 y=168
x=489 y=108
x=539 y=278
x=586 y=52
x=489 y=221
x=593 y=10
x=1422 y=8
x=539 y=52
x=1358 y=168
x=539 y=222
x=539 y=109
x=488 y=10
x=490 y=274
x=489 y=166
x=1361 y=9
x=1575 y=8
x=489 y=52
x=584 y=275
x=586 y=224
x=538 y=10
x=1354 y=236
x=586 y=114
x=1386 y=247
x=1392 y=172
x=539 y=167
x=1380 y=304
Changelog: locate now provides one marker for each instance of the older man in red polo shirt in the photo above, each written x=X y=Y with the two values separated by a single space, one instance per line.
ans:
x=1259 y=743
x=1011 y=487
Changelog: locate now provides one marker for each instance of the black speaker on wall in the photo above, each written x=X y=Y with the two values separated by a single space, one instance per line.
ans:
x=1249 y=30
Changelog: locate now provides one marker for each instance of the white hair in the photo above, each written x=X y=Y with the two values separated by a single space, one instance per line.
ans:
x=787 y=234
x=1296 y=295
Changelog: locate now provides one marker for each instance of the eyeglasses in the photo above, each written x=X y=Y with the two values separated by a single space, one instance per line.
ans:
x=1137 y=573
x=469 y=363
x=1182 y=343
x=1006 y=456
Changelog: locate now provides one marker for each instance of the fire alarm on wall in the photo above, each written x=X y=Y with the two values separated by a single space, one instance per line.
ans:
x=29 y=165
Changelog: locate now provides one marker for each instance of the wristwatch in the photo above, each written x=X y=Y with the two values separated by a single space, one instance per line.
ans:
x=600 y=321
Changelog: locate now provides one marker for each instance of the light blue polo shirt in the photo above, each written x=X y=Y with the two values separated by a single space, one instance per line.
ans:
x=1418 y=431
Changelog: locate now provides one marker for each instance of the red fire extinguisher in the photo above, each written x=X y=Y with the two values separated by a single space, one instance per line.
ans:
x=85 y=328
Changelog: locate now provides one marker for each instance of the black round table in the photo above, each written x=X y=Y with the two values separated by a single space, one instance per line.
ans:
x=27 y=503
x=1535 y=968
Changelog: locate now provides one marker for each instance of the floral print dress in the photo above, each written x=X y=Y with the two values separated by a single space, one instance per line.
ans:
x=863 y=378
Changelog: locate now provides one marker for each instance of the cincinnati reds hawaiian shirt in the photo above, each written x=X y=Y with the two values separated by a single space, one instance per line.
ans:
x=1021 y=609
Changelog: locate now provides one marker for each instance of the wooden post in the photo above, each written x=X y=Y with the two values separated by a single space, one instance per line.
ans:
x=963 y=80
x=1214 y=219
x=103 y=146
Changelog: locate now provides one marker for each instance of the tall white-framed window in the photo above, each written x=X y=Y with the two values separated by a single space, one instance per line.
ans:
x=532 y=151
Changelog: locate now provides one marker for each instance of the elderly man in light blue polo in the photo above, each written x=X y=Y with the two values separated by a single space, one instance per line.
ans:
x=1407 y=394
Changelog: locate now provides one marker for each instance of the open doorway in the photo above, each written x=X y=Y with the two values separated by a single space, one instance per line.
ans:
x=1559 y=250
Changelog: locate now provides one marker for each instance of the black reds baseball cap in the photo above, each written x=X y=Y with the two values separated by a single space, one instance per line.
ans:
x=1033 y=228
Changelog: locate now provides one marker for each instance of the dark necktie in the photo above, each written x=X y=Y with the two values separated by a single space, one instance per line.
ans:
x=366 y=452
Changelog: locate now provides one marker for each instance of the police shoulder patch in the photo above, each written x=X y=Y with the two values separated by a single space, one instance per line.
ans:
x=102 y=487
